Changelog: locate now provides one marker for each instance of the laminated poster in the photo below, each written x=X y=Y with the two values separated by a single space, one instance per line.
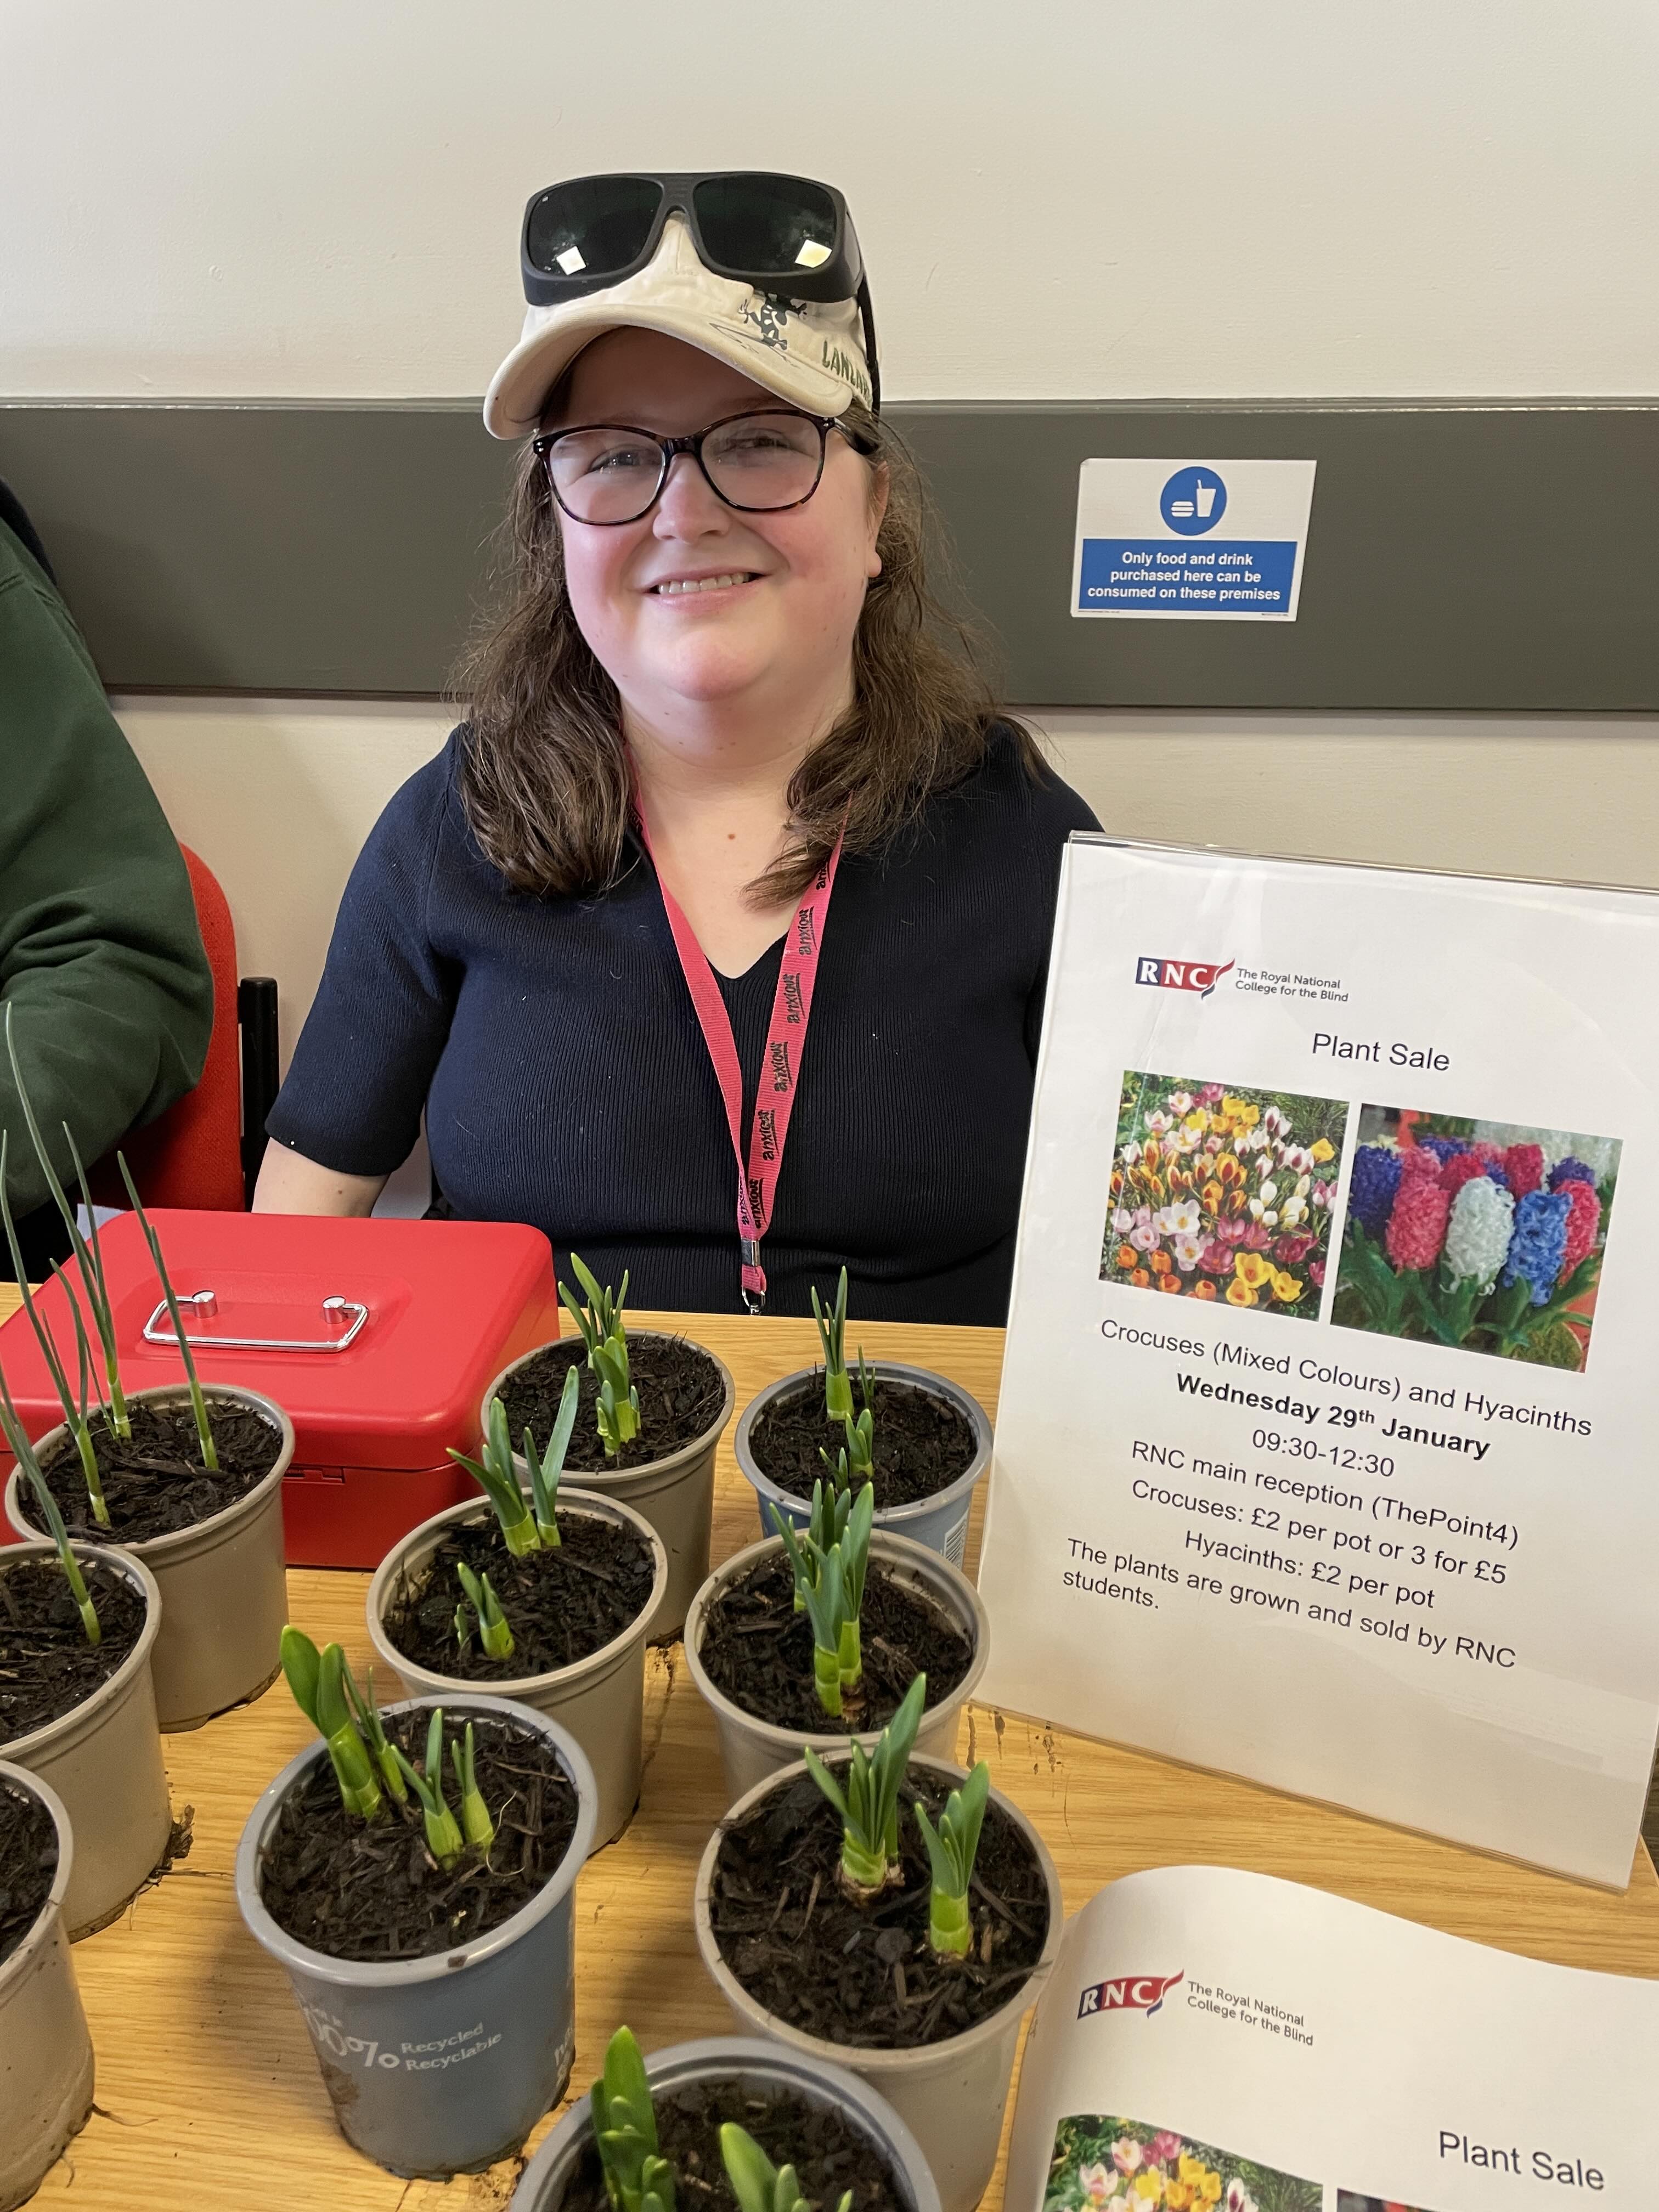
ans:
x=1325 y=1450
x=1213 y=2041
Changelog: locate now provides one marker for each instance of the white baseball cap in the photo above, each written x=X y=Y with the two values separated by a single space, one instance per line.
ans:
x=809 y=352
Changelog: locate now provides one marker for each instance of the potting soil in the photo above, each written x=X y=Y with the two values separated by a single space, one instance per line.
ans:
x=757 y=1650
x=154 y=1481
x=561 y=1604
x=860 y=1975
x=47 y=1667
x=922 y=1442
x=28 y=1862
x=371 y=1890
x=828 y=2157
x=680 y=1388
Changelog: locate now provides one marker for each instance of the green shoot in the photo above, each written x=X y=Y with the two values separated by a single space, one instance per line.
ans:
x=476 y=1823
x=443 y=1837
x=637 y=2178
x=854 y=1463
x=832 y=1336
x=757 y=2185
x=545 y=1472
x=830 y=1588
x=198 y=1402
x=317 y=1681
x=495 y=1632
x=951 y=1849
x=618 y=1408
x=89 y=1259
x=824 y=1528
x=74 y=1405
x=498 y=1478
x=601 y=1318
x=869 y=1805
x=365 y=1711
x=23 y=1452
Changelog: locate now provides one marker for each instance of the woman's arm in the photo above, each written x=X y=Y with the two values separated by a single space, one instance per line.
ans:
x=290 y=1183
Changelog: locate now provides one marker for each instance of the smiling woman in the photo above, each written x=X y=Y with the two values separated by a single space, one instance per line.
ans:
x=589 y=940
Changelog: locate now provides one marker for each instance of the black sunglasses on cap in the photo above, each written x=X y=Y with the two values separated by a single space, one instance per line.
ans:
x=785 y=235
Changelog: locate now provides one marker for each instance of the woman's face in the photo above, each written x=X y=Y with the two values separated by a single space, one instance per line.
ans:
x=772 y=628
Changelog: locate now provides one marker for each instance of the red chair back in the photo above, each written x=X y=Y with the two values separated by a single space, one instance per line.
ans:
x=193 y=1156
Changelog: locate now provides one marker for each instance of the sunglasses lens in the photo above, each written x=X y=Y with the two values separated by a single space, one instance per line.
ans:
x=766 y=226
x=592 y=226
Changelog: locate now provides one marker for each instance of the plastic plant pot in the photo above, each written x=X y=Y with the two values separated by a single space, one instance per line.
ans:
x=675 y=1494
x=103 y=1757
x=600 y=1699
x=45 y=2052
x=752 y=1749
x=952 y=2095
x=224 y=1595
x=750 y=2066
x=939 y=1523
x=442 y=2064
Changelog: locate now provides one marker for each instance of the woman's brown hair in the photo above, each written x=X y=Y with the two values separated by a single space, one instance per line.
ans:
x=544 y=779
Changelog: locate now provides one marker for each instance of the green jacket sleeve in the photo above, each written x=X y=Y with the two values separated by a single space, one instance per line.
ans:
x=101 y=957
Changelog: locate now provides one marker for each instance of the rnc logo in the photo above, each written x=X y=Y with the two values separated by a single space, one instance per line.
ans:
x=1135 y=1993
x=1199 y=976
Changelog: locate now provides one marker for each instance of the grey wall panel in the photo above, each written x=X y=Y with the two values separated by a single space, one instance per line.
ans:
x=1460 y=557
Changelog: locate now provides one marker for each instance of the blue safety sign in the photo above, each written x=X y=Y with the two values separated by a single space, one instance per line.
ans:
x=1222 y=541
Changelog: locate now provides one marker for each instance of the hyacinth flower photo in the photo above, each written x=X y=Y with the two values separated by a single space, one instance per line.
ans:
x=1105 y=2164
x=1223 y=1192
x=1483 y=1235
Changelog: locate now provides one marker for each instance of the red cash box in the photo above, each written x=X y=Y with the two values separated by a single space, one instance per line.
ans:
x=378 y=1338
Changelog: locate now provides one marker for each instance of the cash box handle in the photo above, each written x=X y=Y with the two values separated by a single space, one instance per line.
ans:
x=343 y=1317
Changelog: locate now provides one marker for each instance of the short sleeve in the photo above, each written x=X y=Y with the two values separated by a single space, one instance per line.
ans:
x=355 y=1091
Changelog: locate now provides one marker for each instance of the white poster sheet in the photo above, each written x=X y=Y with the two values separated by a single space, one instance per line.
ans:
x=1213 y=2041
x=1325 y=1453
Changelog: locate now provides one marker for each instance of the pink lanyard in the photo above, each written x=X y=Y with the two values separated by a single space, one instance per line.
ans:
x=786 y=1046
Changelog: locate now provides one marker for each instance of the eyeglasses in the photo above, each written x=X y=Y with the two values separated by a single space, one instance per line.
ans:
x=609 y=473
x=790 y=236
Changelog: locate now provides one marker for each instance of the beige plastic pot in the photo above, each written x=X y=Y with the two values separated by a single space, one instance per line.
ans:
x=224 y=1593
x=751 y=1749
x=748 y=2068
x=600 y=1699
x=45 y=2052
x=950 y=2095
x=676 y=1494
x=103 y=1760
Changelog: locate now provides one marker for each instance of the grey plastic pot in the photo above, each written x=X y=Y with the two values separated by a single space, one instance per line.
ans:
x=752 y=2067
x=443 y=2064
x=952 y=2095
x=940 y=1522
x=224 y=1594
x=751 y=1749
x=103 y=1760
x=600 y=1699
x=45 y=2052
x=676 y=1494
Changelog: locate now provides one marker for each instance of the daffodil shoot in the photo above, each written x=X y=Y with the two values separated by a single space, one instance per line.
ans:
x=600 y=1321
x=637 y=2178
x=317 y=1680
x=22 y=1451
x=757 y=2185
x=868 y=1801
x=950 y=1850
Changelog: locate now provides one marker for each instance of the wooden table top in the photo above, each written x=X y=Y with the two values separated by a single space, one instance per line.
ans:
x=208 y=2098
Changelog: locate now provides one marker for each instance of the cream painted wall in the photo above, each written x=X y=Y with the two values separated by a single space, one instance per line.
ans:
x=1086 y=198
x=278 y=796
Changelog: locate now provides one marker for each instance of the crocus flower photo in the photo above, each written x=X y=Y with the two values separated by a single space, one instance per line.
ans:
x=1126 y=2164
x=1485 y=1236
x=1223 y=1192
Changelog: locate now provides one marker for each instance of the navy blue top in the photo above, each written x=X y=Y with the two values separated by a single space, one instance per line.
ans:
x=554 y=1046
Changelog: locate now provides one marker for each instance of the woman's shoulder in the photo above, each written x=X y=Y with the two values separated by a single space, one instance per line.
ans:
x=1014 y=791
